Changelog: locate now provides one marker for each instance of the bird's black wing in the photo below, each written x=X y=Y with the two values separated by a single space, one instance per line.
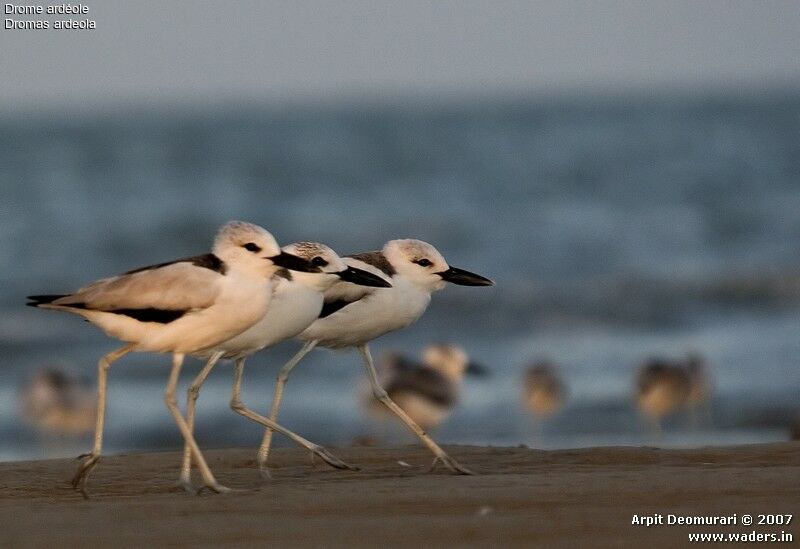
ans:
x=423 y=382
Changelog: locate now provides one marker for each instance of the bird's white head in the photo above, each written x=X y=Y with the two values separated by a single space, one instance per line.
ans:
x=449 y=360
x=424 y=266
x=321 y=256
x=250 y=248
x=332 y=268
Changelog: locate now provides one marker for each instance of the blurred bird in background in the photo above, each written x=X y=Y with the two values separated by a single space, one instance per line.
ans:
x=665 y=386
x=699 y=399
x=544 y=392
x=58 y=404
x=428 y=391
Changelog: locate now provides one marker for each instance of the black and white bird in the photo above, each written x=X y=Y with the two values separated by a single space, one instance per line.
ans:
x=665 y=386
x=352 y=316
x=543 y=392
x=179 y=307
x=428 y=391
x=297 y=299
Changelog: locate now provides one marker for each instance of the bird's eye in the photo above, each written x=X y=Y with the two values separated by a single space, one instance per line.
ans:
x=252 y=247
x=319 y=262
x=424 y=262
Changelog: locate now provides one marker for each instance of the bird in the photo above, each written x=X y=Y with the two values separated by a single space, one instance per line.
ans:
x=699 y=388
x=664 y=386
x=178 y=307
x=352 y=316
x=543 y=391
x=297 y=299
x=57 y=403
x=426 y=391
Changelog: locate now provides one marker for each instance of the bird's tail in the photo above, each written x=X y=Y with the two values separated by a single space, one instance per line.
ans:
x=39 y=300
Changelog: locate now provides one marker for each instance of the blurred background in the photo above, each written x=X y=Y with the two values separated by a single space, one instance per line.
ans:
x=627 y=172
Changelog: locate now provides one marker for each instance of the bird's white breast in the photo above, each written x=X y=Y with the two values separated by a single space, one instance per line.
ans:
x=292 y=308
x=384 y=310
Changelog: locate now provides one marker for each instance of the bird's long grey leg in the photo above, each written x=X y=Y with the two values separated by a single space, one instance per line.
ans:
x=172 y=404
x=238 y=407
x=380 y=394
x=191 y=402
x=90 y=460
x=283 y=376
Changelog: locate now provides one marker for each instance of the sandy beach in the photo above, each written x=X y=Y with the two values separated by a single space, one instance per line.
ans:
x=519 y=497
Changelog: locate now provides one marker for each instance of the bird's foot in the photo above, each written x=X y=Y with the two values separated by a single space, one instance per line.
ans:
x=330 y=459
x=82 y=474
x=185 y=484
x=452 y=465
x=263 y=468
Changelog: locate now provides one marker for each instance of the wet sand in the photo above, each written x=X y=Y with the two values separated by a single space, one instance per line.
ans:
x=520 y=497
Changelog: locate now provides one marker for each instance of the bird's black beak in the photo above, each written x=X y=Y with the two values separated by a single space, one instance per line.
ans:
x=363 y=278
x=464 y=278
x=294 y=263
x=474 y=369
